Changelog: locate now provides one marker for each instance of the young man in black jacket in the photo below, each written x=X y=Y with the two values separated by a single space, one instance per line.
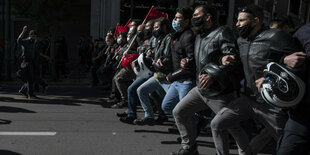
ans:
x=214 y=88
x=258 y=47
x=181 y=77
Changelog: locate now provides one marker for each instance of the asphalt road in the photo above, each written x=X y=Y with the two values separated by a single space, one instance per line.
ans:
x=76 y=120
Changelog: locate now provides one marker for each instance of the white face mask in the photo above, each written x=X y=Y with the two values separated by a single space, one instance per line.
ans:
x=128 y=39
x=119 y=41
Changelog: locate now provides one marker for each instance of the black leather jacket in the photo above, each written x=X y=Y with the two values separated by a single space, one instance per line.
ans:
x=210 y=47
x=267 y=46
x=163 y=51
x=183 y=47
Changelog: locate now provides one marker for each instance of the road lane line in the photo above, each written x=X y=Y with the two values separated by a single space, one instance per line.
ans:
x=27 y=133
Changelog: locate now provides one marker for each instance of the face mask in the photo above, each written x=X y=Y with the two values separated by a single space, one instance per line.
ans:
x=198 y=21
x=156 y=33
x=140 y=35
x=108 y=43
x=119 y=41
x=128 y=39
x=245 y=30
x=148 y=32
x=176 y=25
x=131 y=31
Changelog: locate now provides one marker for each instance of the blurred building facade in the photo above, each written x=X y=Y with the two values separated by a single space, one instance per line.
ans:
x=95 y=17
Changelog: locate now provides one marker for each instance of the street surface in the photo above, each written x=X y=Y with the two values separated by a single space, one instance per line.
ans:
x=76 y=120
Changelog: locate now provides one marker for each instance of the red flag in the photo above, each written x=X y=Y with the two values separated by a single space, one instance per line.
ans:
x=128 y=23
x=120 y=29
x=154 y=14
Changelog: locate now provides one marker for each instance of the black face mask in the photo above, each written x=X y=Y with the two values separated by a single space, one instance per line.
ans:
x=245 y=30
x=148 y=32
x=157 y=33
x=198 y=21
x=140 y=35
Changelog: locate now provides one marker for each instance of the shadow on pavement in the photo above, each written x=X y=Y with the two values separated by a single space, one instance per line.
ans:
x=7 y=152
x=14 y=110
x=3 y=122
x=154 y=131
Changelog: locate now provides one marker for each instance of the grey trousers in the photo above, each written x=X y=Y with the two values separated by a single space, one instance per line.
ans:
x=242 y=109
x=122 y=80
x=194 y=102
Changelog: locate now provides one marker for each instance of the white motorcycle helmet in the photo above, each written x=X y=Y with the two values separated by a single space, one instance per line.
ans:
x=282 y=88
x=143 y=66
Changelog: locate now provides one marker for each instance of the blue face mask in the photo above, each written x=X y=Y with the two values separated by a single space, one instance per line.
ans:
x=108 y=43
x=131 y=31
x=176 y=25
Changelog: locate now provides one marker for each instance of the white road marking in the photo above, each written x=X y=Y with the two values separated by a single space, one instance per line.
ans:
x=27 y=133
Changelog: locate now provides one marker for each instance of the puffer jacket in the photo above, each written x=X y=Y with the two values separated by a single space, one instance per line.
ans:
x=270 y=45
x=210 y=47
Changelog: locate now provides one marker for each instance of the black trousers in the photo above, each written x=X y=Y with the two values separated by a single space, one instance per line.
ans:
x=295 y=140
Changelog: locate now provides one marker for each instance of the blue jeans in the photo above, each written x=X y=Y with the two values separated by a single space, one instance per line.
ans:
x=133 y=98
x=150 y=86
x=176 y=92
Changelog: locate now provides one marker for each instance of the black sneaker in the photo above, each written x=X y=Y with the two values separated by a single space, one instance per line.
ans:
x=122 y=114
x=144 y=121
x=128 y=120
x=161 y=119
x=119 y=105
x=113 y=100
x=23 y=92
x=191 y=151
x=32 y=97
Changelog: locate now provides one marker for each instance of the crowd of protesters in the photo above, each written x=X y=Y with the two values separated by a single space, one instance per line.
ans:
x=195 y=67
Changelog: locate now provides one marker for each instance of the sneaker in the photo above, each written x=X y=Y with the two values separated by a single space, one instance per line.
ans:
x=23 y=92
x=144 y=121
x=121 y=114
x=128 y=120
x=112 y=100
x=120 y=104
x=190 y=151
x=161 y=119
x=32 y=97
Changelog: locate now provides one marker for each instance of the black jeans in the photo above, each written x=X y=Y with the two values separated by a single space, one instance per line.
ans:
x=296 y=138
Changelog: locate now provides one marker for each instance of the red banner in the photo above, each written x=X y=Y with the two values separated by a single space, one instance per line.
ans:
x=154 y=14
x=120 y=29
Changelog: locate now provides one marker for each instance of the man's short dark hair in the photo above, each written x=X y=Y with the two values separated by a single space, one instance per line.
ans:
x=33 y=32
x=255 y=11
x=209 y=9
x=164 y=21
x=123 y=34
x=186 y=12
x=282 y=21
x=137 y=22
